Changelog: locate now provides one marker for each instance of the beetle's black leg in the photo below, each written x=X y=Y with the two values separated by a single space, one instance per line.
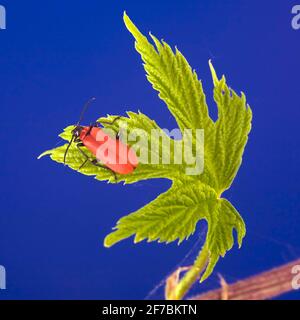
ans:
x=92 y=125
x=67 y=149
x=77 y=140
x=111 y=122
x=94 y=162
x=84 y=154
x=82 y=165
x=95 y=124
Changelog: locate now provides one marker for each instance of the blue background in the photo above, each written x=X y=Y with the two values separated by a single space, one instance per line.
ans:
x=57 y=54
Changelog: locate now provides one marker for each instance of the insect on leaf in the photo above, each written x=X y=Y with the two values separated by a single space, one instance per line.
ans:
x=173 y=215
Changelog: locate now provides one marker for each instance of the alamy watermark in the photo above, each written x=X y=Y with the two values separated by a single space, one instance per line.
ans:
x=2 y=18
x=296 y=17
x=158 y=146
x=2 y=278
x=296 y=278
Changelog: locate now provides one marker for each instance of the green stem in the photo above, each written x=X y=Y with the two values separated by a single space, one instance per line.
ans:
x=192 y=275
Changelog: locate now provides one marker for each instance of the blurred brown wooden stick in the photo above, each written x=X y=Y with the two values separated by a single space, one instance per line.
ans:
x=266 y=285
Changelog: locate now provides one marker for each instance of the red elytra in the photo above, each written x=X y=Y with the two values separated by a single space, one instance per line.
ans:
x=112 y=153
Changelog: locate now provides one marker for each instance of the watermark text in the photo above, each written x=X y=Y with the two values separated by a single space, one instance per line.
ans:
x=2 y=278
x=2 y=18
x=154 y=147
x=296 y=17
x=296 y=278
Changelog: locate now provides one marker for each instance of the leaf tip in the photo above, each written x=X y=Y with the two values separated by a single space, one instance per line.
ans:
x=128 y=23
x=241 y=238
x=108 y=241
x=213 y=73
x=45 y=153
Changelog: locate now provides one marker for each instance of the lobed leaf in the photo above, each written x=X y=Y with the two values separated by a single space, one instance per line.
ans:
x=174 y=214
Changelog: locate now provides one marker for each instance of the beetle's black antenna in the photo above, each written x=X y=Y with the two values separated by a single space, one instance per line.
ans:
x=87 y=104
x=85 y=107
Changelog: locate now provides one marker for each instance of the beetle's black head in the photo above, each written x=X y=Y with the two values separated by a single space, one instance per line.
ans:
x=76 y=132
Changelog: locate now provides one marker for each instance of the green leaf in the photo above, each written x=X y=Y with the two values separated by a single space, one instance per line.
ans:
x=223 y=219
x=231 y=132
x=174 y=214
x=171 y=75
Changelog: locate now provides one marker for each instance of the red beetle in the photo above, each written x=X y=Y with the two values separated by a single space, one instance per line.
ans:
x=110 y=153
